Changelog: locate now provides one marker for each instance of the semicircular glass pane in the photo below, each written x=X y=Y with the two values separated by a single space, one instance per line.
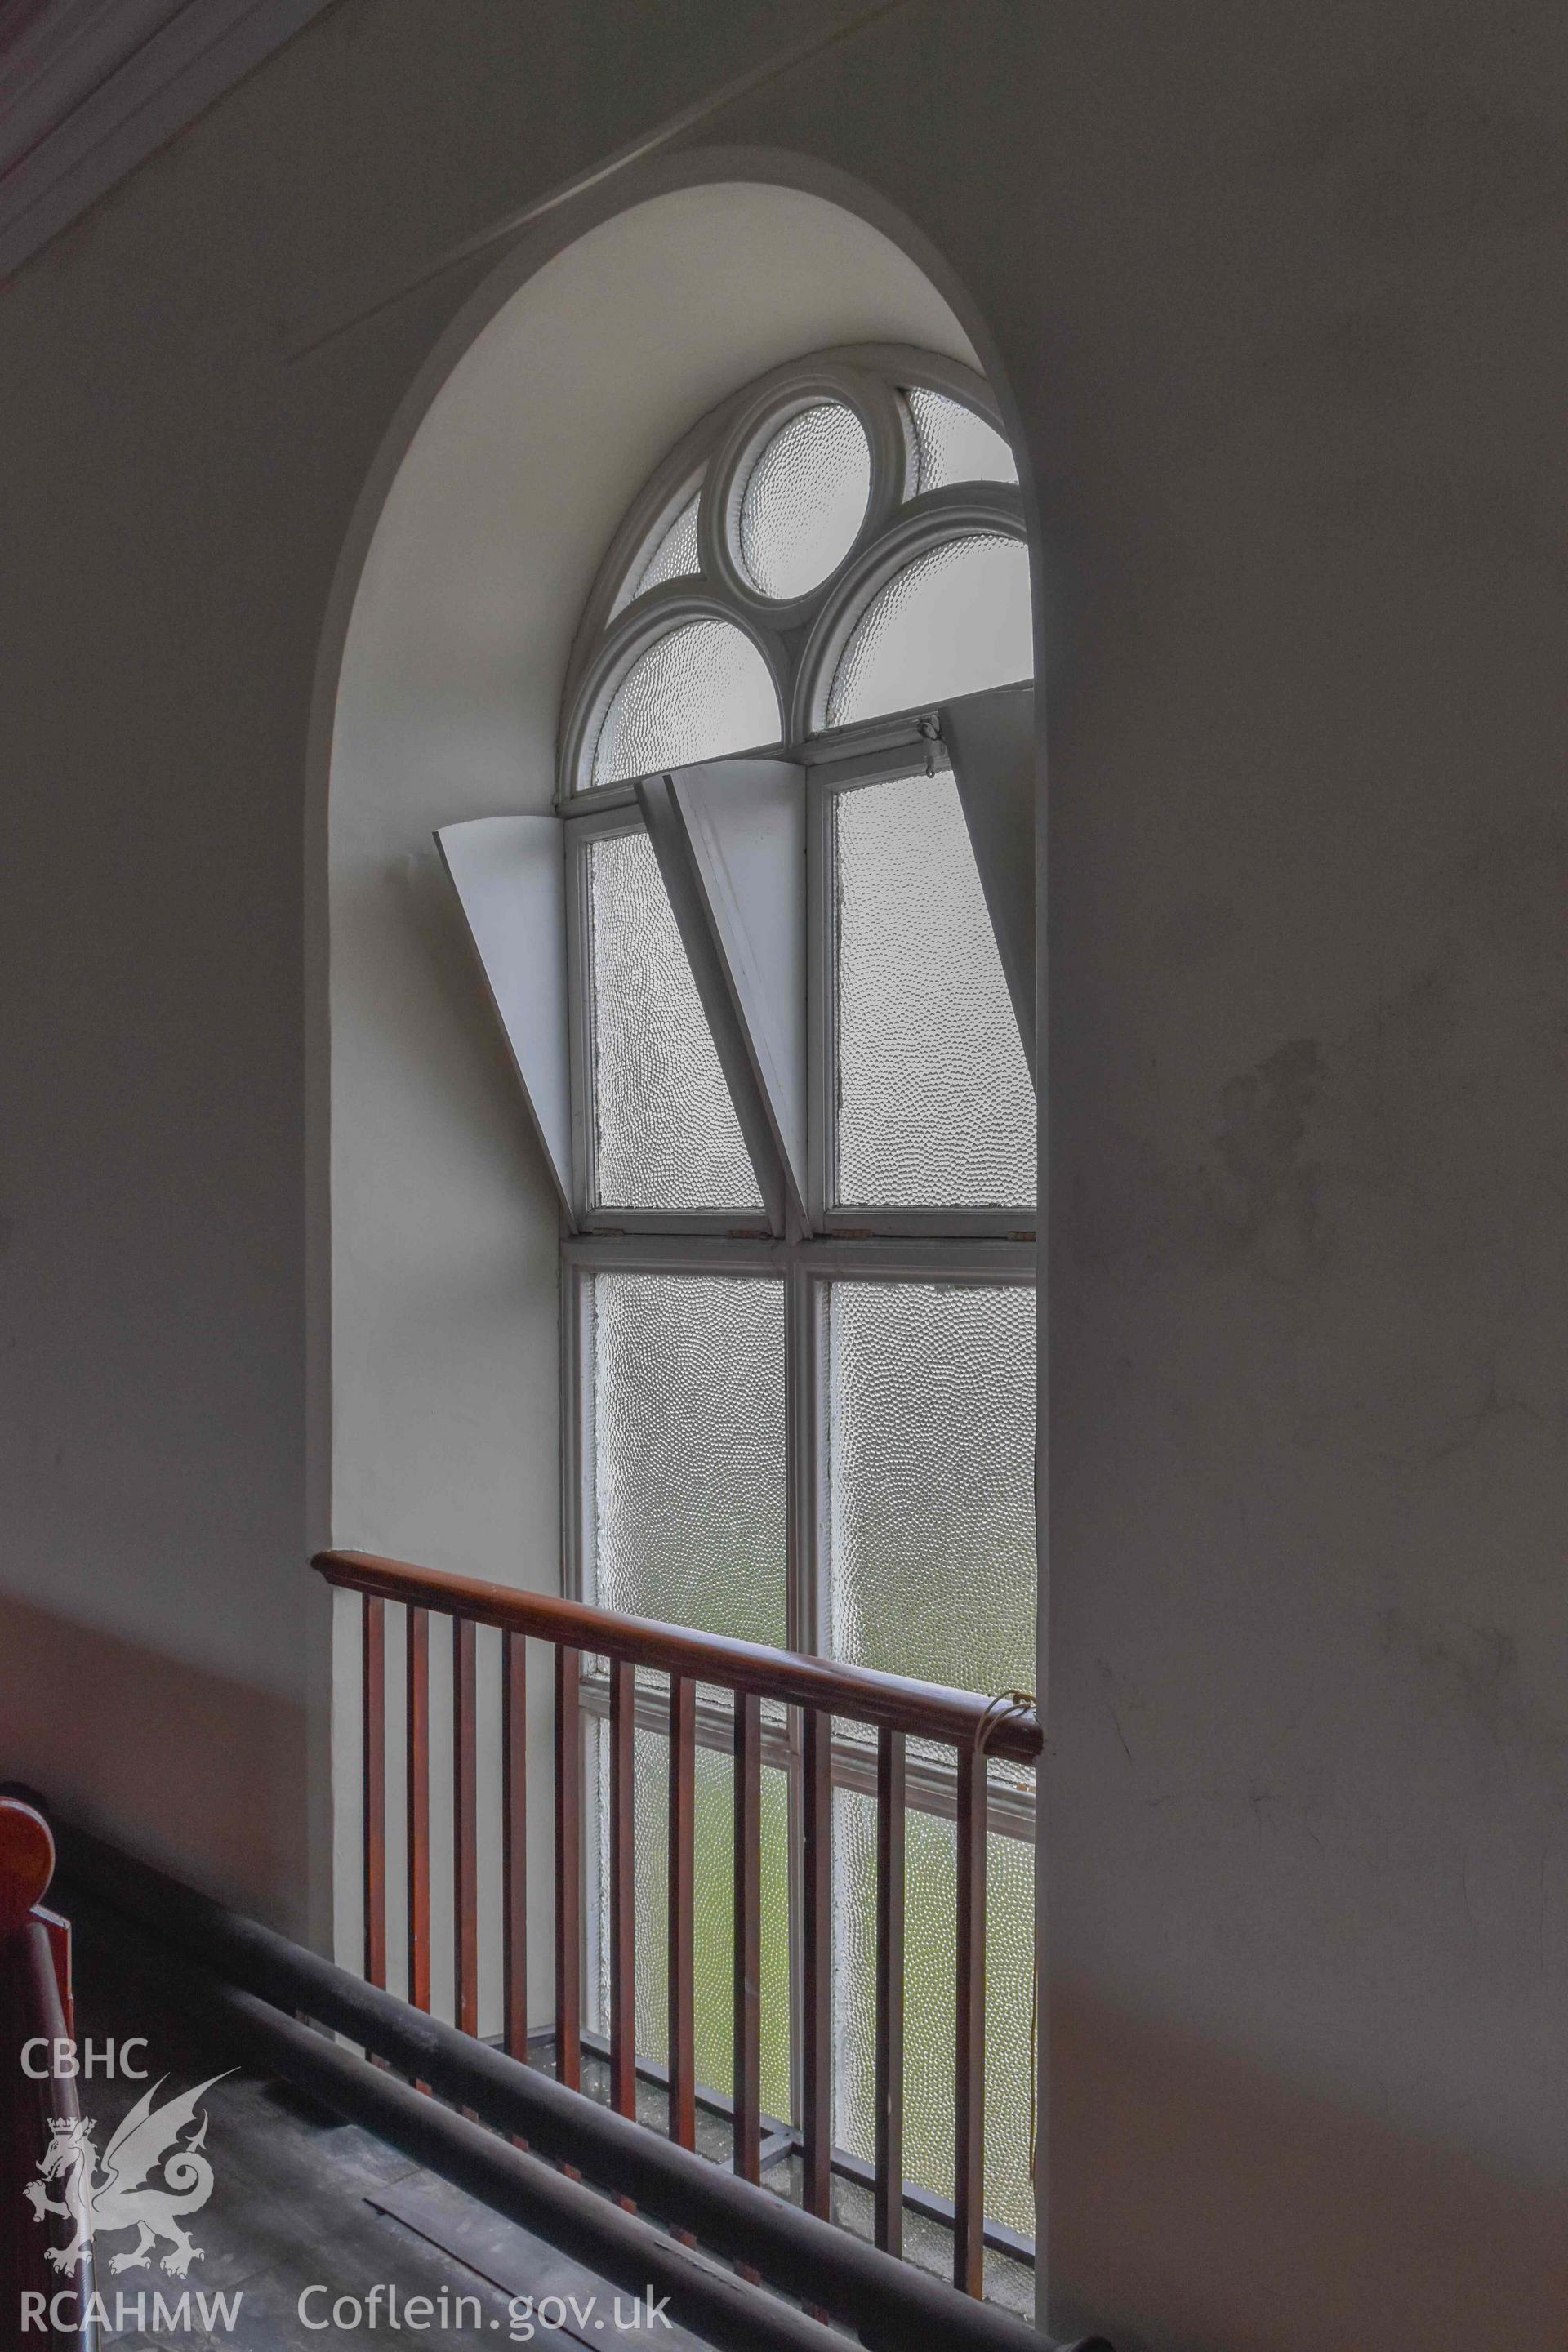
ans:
x=954 y=621
x=702 y=690
x=805 y=499
x=954 y=445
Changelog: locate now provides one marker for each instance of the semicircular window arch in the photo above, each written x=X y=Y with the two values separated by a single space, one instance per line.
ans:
x=857 y=520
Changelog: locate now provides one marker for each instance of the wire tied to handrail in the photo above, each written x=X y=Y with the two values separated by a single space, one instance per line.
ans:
x=997 y=1710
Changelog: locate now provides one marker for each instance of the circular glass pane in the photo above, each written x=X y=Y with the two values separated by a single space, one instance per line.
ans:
x=954 y=621
x=702 y=690
x=804 y=501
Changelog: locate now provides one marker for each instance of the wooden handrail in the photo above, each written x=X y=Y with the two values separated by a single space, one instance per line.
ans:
x=861 y=1694
x=35 y=2009
x=822 y=1689
x=26 y=1863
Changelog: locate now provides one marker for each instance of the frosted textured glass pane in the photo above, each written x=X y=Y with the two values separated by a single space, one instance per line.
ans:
x=675 y=557
x=804 y=501
x=935 y=1104
x=931 y=1481
x=930 y=1991
x=650 y=1847
x=954 y=445
x=687 y=1451
x=954 y=621
x=713 y=1874
x=665 y=1128
x=702 y=690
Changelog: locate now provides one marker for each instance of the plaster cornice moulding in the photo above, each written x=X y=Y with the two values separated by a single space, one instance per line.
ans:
x=90 y=88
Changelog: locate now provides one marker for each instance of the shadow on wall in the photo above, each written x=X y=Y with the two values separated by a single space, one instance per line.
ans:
x=1200 y=2204
x=198 y=1763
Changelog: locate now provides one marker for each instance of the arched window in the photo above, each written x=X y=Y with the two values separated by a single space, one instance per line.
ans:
x=788 y=1104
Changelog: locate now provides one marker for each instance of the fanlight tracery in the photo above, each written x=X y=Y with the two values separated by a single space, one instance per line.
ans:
x=843 y=541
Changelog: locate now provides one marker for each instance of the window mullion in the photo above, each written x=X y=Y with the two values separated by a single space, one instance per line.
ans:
x=580 y=1054
x=577 y=1499
x=807 y=1464
x=821 y=953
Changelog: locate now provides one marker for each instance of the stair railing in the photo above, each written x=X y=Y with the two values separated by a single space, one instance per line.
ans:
x=812 y=1691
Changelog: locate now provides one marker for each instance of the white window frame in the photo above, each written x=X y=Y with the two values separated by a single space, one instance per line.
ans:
x=523 y=884
x=800 y=1236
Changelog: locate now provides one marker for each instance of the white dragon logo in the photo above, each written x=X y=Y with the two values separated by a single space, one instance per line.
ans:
x=123 y=2197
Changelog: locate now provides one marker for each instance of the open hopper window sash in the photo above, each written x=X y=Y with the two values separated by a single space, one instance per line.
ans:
x=509 y=876
x=743 y=899
x=990 y=739
x=729 y=838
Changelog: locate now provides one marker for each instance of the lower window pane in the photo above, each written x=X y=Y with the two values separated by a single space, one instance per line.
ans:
x=687 y=1451
x=713 y=1939
x=930 y=1480
x=930 y=1995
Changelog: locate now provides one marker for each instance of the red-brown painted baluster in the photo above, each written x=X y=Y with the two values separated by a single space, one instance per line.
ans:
x=622 y=1890
x=888 y=2195
x=816 y=1961
x=514 y=1839
x=465 y=1828
x=417 y=1681
x=568 y=1871
x=682 y=1908
x=969 y=2158
x=372 y=1710
x=748 y=1935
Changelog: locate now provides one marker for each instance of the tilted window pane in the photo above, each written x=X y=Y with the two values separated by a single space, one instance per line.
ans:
x=687 y=1451
x=954 y=445
x=935 y=1105
x=675 y=556
x=930 y=1481
x=805 y=499
x=702 y=690
x=666 y=1134
x=928 y=1987
x=954 y=621
x=713 y=1910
